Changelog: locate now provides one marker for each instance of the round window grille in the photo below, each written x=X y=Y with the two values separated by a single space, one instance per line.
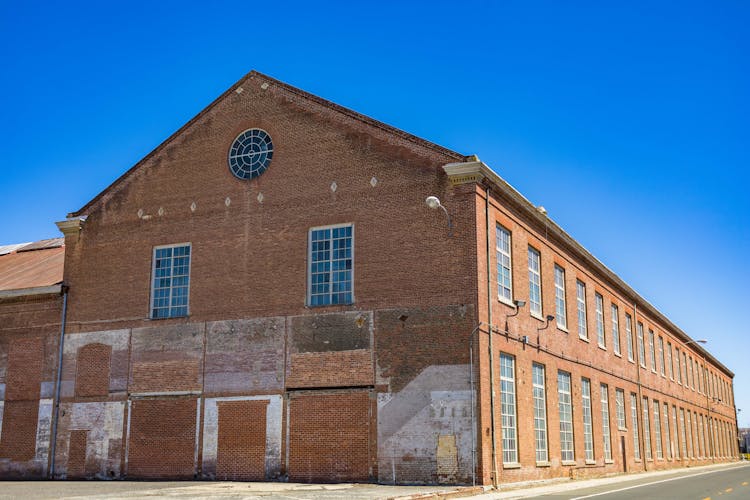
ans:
x=250 y=154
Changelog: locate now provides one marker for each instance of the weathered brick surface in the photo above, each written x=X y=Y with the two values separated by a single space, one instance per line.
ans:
x=77 y=455
x=331 y=369
x=18 y=439
x=329 y=437
x=92 y=370
x=241 y=453
x=24 y=369
x=162 y=438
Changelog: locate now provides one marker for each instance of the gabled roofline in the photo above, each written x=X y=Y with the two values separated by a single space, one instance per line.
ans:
x=476 y=170
x=290 y=89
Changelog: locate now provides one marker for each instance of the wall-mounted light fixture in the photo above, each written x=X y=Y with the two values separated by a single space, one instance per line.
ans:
x=434 y=203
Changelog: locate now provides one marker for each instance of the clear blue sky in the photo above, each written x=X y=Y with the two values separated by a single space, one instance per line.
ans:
x=628 y=122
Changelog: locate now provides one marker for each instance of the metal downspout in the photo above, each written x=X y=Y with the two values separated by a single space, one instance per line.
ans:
x=56 y=415
x=489 y=322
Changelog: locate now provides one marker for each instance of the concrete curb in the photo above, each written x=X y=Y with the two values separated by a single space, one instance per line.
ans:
x=468 y=491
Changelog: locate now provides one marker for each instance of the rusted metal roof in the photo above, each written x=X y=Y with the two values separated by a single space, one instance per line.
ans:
x=39 y=264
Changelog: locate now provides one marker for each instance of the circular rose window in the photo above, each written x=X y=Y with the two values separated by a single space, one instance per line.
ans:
x=250 y=154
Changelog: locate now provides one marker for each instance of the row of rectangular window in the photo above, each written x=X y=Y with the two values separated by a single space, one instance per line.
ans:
x=509 y=429
x=505 y=294
x=330 y=272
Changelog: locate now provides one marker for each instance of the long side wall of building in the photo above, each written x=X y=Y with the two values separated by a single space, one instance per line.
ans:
x=587 y=373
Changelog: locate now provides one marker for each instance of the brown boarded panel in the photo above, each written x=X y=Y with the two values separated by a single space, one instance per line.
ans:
x=24 y=376
x=18 y=437
x=162 y=438
x=92 y=370
x=241 y=453
x=77 y=455
x=328 y=437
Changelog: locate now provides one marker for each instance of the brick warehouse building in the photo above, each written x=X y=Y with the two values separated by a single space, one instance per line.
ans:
x=267 y=296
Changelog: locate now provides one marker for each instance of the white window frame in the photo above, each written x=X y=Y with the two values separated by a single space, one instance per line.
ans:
x=652 y=349
x=588 y=424
x=667 y=434
x=689 y=431
x=561 y=312
x=683 y=434
x=634 y=425
x=500 y=255
x=670 y=361
x=508 y=408
x=641 y=345
x=629 y=337
x=649 y=453
x=331 y=271
x=657 y=430
x=535 y=282
x=661 y=356
x=539 y=395
x=583 y=331
x=615 y=311
x=152 y=295
x=606 y=436
x=565 y=412
x=620 y=409
x=601 y=334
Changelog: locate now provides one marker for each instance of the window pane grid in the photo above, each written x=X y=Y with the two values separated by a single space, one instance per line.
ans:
x=331 y=266
x=620 y=408
x=641 y=346
x=657 y=431
x=535 y=283
x=615 y=329
x=684 y=442
x=588 y=431
x=581 y=309
x=634 y=425
x=171 y=278
x=605 y=422
x=560 y=306
x=629 y=336
x=502 y=253
x=600 y=335
x=508 y=408
x=567 y=451
x=646 y=429
x=652 y=350
x=540 y=413
x=667 y=434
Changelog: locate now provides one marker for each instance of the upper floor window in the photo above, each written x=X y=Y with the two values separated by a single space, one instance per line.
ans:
x=504 y=276
x=330 y=275
x=629 y=335
x=535 y=283
x=669 y=360
x=581 y=301
x=652 y=349
x=600 y=335
x=641 y=347
x=661 y=355
x=171 y=281
x=615 y=329
x=560 y=306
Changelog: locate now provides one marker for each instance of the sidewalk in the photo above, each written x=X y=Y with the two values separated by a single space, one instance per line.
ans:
x=532 y=489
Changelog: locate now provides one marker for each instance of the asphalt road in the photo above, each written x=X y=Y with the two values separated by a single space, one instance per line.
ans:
x=731 y=483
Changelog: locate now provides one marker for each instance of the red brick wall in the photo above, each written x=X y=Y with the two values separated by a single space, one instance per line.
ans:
x=77 y=455
x=162 y=438
x=18 y=438
x=241 y=453
x=331 y=369
x=24 y=369
x=329 y=437
x=92 y=370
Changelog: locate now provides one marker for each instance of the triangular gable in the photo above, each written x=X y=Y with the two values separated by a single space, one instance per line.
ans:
x=343 y=113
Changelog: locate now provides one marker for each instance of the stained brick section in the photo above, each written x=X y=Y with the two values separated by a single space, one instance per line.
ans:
x=332 y=369
x=328 y=438
x=24 y=369
x=241 y=452
x=182 y=375
x=92 y=370
x=77 y=455
x=18 y=438
x=162 y=438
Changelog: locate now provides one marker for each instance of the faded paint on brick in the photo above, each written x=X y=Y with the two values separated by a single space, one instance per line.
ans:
x=103 y=424
x=245 y=356
x=410 y=422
